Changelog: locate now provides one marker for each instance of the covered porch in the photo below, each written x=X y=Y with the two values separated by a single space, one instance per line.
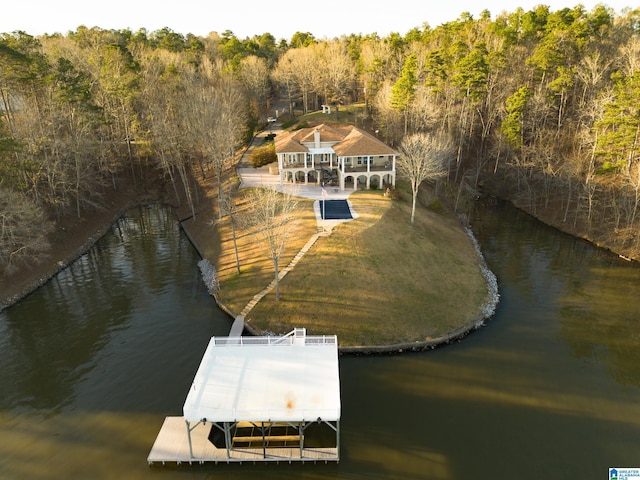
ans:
x=367 y=171
x=313 y=166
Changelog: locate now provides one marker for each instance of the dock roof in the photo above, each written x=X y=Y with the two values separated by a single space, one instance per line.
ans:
x=291 y=378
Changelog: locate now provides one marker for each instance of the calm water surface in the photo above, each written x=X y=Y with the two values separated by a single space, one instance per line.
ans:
x=92 y=363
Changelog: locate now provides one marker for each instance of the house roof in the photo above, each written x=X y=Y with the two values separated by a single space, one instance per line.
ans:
x=327 y=134
x=291 y=378
x=286 y=144
x=358 y=142
x=347 y=141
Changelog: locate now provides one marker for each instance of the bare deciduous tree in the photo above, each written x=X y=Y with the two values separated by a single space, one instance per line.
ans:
x=423 y=158
x=334 y=78
x=271 y=215
x=23 y=230
x=282 y=74
x=229 y=208
x=254 y=76
x=295 y=69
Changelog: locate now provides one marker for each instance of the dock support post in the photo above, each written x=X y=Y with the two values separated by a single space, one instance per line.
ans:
x=227 y=437
x=301 y=434
x=189 y=436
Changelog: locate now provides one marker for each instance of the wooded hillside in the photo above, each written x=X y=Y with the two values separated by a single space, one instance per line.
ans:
x=543 y=107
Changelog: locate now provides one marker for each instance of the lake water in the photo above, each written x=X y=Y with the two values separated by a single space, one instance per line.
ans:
x=93 y=361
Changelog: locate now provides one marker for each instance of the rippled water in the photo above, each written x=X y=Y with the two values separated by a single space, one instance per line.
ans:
x=93 y=361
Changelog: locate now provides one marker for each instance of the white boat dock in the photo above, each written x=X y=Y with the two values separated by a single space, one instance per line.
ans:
x=258 y=399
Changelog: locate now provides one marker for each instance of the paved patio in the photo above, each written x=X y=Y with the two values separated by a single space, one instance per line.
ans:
x=260 y=177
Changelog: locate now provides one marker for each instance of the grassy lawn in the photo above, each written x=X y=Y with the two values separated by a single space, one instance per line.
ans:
x=256 y=270
x=375 y=280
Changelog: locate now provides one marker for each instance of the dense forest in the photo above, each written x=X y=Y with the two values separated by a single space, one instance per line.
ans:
x=542 y=106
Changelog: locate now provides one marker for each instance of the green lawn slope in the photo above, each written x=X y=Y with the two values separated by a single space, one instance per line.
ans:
x=375 y=281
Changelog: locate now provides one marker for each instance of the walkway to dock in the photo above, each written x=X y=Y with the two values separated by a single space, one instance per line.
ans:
x=259 y=296
x=260 y=177
x=172 y=445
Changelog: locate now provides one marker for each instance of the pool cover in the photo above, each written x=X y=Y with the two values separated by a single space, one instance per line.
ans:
x=335 y=210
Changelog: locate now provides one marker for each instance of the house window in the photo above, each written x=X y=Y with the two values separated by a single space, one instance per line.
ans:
x=364 y=160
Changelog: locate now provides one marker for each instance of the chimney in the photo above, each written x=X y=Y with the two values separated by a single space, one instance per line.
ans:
x=316 y=138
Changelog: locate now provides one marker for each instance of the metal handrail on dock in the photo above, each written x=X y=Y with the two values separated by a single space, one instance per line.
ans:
x=276 y=341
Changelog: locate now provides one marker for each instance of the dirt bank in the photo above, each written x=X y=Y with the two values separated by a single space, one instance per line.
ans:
x=73 y=237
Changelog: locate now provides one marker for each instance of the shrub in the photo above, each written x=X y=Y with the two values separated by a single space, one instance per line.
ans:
x=436 y=206
x=392 y=193
x=288 y=123
x=301 y=125
x=263 y=155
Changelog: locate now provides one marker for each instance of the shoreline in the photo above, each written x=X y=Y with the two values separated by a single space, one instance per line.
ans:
x=48 y=271
x=51 y=270
x=488 y=310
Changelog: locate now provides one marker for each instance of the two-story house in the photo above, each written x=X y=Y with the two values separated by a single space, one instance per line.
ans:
x=342 y=155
